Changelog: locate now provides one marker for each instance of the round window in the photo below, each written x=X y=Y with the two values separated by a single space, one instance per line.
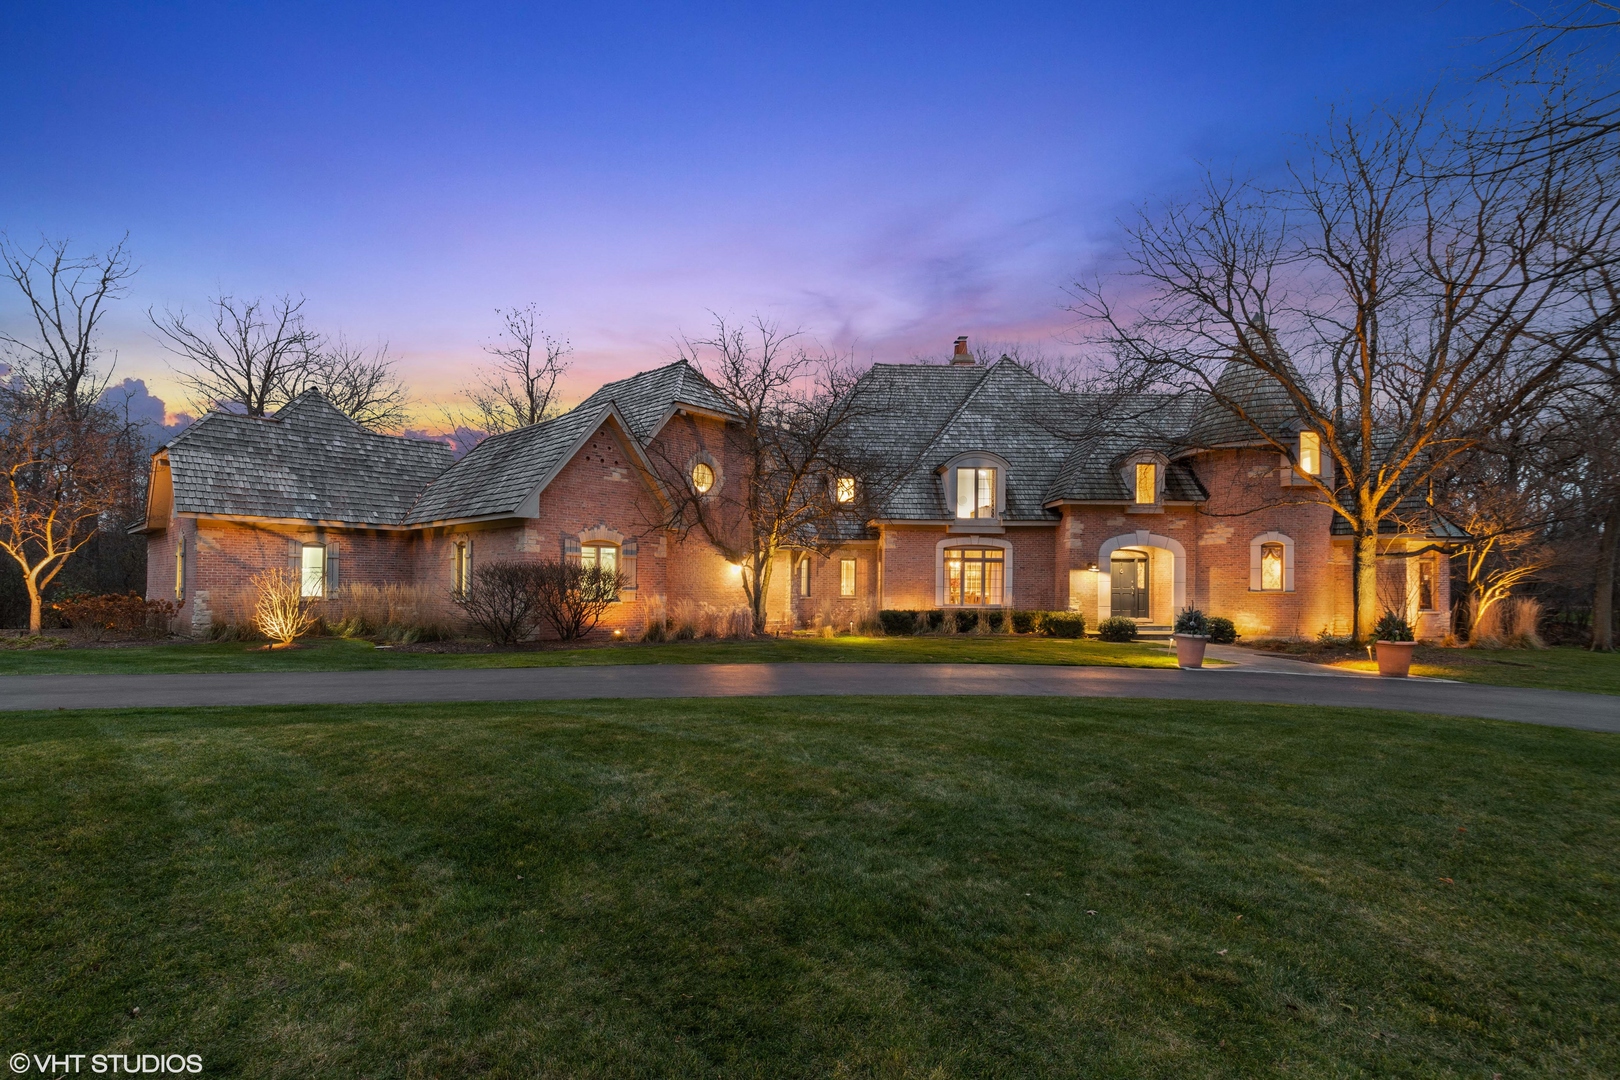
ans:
x=702 y=478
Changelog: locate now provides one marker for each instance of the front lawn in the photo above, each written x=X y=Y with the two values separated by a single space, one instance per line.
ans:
x=1562 y=668
x=338 y=654
x=812 y=887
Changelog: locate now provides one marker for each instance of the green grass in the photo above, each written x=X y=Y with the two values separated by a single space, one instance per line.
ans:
x=1563 y=668
x=337 y=654
x=812 y=887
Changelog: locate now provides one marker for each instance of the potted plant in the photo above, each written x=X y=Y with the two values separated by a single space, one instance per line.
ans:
x=1395 y=645
x=1191 y=635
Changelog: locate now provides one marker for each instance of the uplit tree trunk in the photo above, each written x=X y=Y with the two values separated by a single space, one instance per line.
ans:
x=1366 y=571
x=1603 y=593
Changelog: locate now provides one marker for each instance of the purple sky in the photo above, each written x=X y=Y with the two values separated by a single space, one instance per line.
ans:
x=886 y=176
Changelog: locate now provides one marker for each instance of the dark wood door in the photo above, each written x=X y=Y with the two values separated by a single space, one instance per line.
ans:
x=1129 y=586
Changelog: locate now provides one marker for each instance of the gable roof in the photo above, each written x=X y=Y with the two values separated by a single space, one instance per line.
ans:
x=309 y=461
x=499 y=475
x=646 y=399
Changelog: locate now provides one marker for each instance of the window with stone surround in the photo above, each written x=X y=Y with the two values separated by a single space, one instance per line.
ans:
x=1271 y=563
x=974 y=577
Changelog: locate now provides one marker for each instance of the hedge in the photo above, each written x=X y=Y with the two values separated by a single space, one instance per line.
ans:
x=1118 y=628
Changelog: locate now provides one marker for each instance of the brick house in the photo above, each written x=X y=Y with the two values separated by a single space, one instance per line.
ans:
x=1001 y=492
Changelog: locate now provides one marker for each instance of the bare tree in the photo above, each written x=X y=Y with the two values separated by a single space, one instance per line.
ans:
x=571 y=597
x=1413 y=284
x=519 y=386
x=796 y=479
x=249 y=358
x=360 y=382
x=62 y=468
x=67 y=297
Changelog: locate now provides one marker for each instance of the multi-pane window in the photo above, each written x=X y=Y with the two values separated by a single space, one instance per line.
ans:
x=1147 y=484
x=844 y=489
x=1310 y=453
x=974 y=576
x=1272 y=559
x=975 y=493
x=702 y=478
x=1428 y=593
x=313 y=570
x=846 y=577
x=804 y=576
x=461 y=568
x=603 y=556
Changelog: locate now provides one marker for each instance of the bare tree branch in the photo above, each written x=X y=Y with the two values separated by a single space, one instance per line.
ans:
x=249 y=359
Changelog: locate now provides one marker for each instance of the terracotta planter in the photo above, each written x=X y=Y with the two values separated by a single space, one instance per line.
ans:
x=1395 y=658
x=1190 y=649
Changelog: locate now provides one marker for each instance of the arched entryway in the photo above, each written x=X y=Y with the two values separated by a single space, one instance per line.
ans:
x=1130 y=585
x=1132 y=547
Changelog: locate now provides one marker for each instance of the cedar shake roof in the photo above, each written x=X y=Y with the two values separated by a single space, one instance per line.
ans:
x=646 y=399
x=500 y=473
x=308 y=461
x=1058 y=447
x=1260 y=397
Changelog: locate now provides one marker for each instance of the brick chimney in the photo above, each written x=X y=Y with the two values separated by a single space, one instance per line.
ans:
x=960 y=355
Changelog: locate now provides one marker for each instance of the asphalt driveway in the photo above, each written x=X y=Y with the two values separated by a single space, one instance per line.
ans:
x=1280 y=685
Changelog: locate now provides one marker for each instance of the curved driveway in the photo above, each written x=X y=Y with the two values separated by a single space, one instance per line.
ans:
x=1281 y=685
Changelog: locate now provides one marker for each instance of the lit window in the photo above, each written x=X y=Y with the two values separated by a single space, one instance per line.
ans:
x=1310 y=453
x=846 y=577
x=314 y=571
x=804 y=576
x=702 y=478
x=604 y=556
x=1427 y=578
x=461 y=568
x=180 y=571
x=1271 y=567
x=974 y=576
x=844 y=489
x=1147 y=484
x=975 y=493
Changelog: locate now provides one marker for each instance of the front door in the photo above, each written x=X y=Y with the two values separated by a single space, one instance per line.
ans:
x=1129 y=585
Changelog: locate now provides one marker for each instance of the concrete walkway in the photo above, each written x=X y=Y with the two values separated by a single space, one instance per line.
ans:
x=1593 y=712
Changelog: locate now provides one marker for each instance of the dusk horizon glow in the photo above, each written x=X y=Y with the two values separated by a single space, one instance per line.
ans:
x=884 y=177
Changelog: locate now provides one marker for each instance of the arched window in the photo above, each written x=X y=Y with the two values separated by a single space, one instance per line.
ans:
x=1271 y=567
x=461 y=567
x=1271 y=563
x=974 y=577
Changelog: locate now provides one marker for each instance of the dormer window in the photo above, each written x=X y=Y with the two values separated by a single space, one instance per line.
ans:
x=844 y=490
x=1147 y=483
x=976 y=493
x=1310 y=453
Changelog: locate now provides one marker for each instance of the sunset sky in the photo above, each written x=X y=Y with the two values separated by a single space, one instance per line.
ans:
x=886 y=176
